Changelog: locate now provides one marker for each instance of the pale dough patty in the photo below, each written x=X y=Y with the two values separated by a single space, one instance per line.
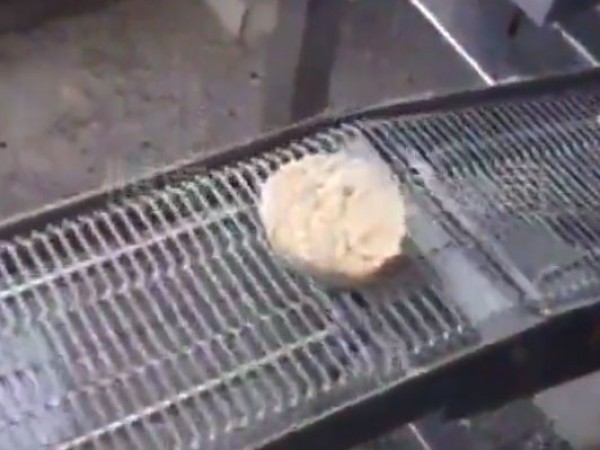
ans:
x=339 y=218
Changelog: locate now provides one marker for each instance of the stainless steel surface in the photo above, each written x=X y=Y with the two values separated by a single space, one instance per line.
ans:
x=581 y=32
x=546 y=10
x=479 y=31
x=165 y=321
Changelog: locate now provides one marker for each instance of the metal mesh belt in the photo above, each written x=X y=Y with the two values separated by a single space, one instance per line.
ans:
x=524 y=179
x=162 y=320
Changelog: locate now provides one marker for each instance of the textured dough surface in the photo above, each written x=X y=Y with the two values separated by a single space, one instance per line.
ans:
x=339 y=218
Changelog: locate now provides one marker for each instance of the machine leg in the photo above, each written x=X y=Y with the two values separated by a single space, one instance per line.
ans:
x=300 y=58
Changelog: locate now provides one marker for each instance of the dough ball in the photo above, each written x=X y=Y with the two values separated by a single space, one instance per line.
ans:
x=339 y=218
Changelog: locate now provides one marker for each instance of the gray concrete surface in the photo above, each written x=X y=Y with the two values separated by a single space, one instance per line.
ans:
x=575 y=410
x=140 y=84
x=144 y=82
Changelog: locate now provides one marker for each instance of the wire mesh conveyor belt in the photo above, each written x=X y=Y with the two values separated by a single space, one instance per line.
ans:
x=156 y=316
x=523 y=179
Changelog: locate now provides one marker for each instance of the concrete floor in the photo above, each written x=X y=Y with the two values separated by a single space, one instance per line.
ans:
x=135 y=85
x=142 y=83
x=146 y=82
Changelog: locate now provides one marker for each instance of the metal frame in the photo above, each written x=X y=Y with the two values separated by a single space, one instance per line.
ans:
x=300 y=58
x=488 y=37
x=543 y=11
x=531 y=354
x=55 y=212
x=538 y=358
